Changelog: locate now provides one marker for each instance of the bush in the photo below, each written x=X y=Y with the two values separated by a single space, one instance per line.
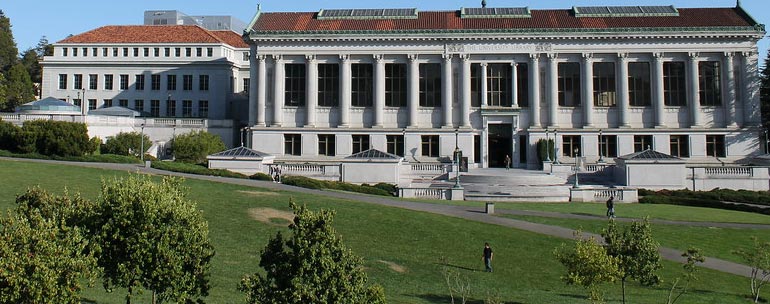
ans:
x=8 y=133
x=101 y=158
x=387 y=187
x=698 y=199
x=261 y=176
x=96 y=144
x=545 y=148
x=309 y=183
x=194 y=169
x=58 y=138
x=127 y=143
x=193 y=147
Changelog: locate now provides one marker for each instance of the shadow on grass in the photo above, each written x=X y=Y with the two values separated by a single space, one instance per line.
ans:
x=434 y=298
x=458 y=267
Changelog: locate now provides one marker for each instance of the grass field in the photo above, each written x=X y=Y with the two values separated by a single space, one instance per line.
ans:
x=525 y=269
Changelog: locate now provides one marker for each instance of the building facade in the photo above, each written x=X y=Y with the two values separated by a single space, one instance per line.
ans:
x=600 y=81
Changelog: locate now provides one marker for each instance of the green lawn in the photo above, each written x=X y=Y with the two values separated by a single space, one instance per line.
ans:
x=525 y=269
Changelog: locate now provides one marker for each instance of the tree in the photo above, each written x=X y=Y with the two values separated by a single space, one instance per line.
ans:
x=764 y=92
x=312 y=266
x=32 y=57
x=758 y=258
x=636 y=251
x=588 y=265
x=193 y=147
x=693 y=256
x=127 y=143
x=8 y=51
x=152 y=238
x=18 y=88
x=44 y=256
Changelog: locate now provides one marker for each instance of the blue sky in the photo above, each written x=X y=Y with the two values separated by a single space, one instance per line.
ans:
x=56 y=19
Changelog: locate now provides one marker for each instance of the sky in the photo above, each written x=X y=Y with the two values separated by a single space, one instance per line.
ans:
x=56 y=19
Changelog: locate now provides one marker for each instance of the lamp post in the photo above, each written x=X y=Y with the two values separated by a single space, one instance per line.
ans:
x=601 y=147
x=141 y=149
x=457 y=159
x=555 y=147
x=403 y=143
x=577 y=167
x=767 y=144
x=547 y=147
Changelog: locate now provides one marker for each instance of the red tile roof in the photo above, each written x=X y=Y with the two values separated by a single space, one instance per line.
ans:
x=150 y=34
x=231 y=38
x=541 y=19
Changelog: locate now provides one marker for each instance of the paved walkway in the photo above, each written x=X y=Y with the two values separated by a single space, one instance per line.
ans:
x=464 y=212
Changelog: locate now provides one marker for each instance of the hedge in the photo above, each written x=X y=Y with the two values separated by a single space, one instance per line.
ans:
x=309 y=183
x=102 y=158
x=194 y=169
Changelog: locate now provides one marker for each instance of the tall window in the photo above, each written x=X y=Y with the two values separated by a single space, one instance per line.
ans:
x=155 y=108
x=429 y=145
x=292 y=144
x=186 y=108
x=146 y=52
x=569 y=84
x=328 y=85
x=710 y=83
x=209 y=52
x=78 y=81
x=639 y=84
x=395 y=144
x=171 y=82
x=570 y=145
x=395 y=85
x=361 y=80
x=114 y=52
x=62 y=81
x=125 y=52
x=178 y=52
x=77 y=102
x=680 y=145
x=93 y=81
x=171 y=107
x=604 y=84
x=608 y=145
x=108 y=79
x=522 y=79
x=156 y=52
x=123 y=103
x=203 y=108
x=124 y=82
x=74 y=52
x=155 y=82
x=199 y=52
x=167 y=52
x=715 y=146
x=203 y=82
x=105 y=52
x=139 y=105
x=246 y=85
x=139 y=82
x=136 y=52
x=91 y=102
x=326 y=144
x=430 y=85
x=188 y=52
x=643 y=142
x=294 y=81
x=107 y=103
x=499 y=85
x=360 y=143
x=187 y=82
x=65 y=51
x=674 y=86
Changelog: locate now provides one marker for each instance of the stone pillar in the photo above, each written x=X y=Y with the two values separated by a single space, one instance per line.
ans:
x=751 y=116
x=311 y=91
x=658 y=99
x=446 y=95
x=694 y=93
x=622 y=80
x=465 y=114
x=414 y=90
x=534 y=90
x=484 y=85
x=345 y=91
x=553 y=90
x=253 y=108
x=588 y=89
x=731 y=105
x=261 y=90
x=514 y=85
x=280 y=95
x=379 y=90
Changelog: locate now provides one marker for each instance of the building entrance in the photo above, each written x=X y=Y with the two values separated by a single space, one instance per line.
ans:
x=500 y=144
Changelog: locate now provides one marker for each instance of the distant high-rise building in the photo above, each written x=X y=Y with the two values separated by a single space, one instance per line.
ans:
x=174 y=17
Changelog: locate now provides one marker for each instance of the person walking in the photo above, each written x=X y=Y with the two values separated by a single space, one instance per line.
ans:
x=487 y=257
x=611 y=207
x=507 y=162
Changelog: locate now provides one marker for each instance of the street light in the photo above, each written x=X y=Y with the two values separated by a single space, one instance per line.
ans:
x=141 y=139
x=555 y=147
x=547 y=147
x=577 y=167
x=403 y=143
x=457 y=159
x=601 y=147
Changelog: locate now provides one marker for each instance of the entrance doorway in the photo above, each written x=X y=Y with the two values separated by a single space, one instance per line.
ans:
x=500 y=144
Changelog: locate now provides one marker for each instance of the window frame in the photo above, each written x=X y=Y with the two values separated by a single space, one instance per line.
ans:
x=327 y=144
x=429 y=145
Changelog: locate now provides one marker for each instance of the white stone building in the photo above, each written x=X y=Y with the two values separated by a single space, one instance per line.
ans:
x=602 y=81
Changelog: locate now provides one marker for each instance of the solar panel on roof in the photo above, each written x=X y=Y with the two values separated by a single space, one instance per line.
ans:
x=624 y=11
x=497 y=12
x=400 y=13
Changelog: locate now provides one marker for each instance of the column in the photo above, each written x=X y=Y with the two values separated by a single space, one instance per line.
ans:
x=465 y=112
x=553 y=90
x=253 y=108
x=446 y=85
x=622 y=80
x=484 y=88
x=514 y=85
x=280 y=96
x=751 y=116
x=534 y=90
x=588 y=89
x=731 y=105
x=345 y=91
x=261 y=90
x=311 y=91
x=694 y=93
x=379 y=89
x=658 y=99
x=414 y=90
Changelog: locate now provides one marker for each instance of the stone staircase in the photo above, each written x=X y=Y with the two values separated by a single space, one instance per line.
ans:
x=515 y=185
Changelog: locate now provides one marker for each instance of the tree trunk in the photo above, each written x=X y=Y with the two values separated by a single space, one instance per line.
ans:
x=623 y=287
x=154 y=298
x=128 y=296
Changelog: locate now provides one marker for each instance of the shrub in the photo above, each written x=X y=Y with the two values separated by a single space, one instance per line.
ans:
x=309 y=183
x=8 y=133
x=193 y=147
x=545 y=148
x=127 y=143
x=304 y=182
x=387 y=187
x=261 y=176
x=194 y=169
x=58 y=138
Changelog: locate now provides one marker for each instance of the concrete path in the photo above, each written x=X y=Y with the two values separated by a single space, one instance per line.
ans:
x=464 y=212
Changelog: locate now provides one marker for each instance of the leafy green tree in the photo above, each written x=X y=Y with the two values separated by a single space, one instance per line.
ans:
x=8 y=51
x=127 y=143
x=636 y=251
x=18 y=88
x=764 y=92
x=48 y=137
x=8 y=133
x=193 y=147
x=44 y=256
x=758 y=258
x=693 y=256
x=32 y=57
x=312 y=266
x=152 y=238
x=588 y=265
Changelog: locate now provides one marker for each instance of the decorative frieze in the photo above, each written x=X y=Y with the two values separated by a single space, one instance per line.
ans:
x=456 y=48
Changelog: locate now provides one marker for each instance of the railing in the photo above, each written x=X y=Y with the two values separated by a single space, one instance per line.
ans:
x=597 y=167
x=426 y=193
x=20 y=118
x=433 y=168
x=732 y=171
x=312 y=170
x=603 y=194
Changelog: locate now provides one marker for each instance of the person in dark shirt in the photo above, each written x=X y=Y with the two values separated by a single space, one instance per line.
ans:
x=611 y=207
x=487 y=257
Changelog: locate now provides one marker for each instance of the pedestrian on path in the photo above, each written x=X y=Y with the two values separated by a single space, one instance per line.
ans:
x=487 y=257
x=507 y=162
x=611 y=207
